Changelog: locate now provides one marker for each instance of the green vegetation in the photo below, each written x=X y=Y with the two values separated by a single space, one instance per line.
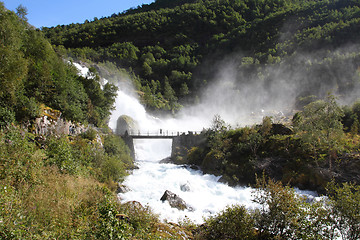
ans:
x=56 y=186
x=234 y=222
x=62 y=187
x=283 y=214
x=65 y=190
x=173 y=48
x=315 y=149
x=32 y=73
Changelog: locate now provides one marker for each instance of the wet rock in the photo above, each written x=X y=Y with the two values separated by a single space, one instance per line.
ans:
x=175 y=201
x=185 y=187
x=166 y=160
x=122 y=189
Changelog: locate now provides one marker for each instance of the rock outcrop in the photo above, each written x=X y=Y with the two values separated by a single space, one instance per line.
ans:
x=185 y=187
x=175 y=201
x=122 y=188
x=52 y=122
x=126 y=124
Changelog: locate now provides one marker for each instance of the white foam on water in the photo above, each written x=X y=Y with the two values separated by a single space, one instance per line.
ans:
x=204 y=194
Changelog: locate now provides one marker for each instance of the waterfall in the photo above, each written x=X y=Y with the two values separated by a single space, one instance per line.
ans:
x=202 y=192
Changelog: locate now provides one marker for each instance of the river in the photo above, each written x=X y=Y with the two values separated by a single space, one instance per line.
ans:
x=202 y=192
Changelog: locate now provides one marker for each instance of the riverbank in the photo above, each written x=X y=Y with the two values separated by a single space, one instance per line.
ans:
x=64 y=188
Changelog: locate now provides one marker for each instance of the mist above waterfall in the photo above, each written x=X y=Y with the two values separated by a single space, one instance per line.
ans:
x=239 y=99
x=202 y=192
x=243 y=91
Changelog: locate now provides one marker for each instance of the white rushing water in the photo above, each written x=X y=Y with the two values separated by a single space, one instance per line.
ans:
x=148 y=183
x=201 y=191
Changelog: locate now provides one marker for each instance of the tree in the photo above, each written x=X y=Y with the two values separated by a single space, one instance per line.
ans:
x=283 y=214
x=21 y=11
x=319 y=125
x=345 y=207
x=184 y=90
x=169 y=94
x=218 y=124
x=13 y=65
x=266 y=126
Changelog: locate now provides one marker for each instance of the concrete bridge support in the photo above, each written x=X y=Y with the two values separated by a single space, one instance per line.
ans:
x=128 y=139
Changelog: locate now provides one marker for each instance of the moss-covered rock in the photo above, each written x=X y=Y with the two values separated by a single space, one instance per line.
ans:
x=126 y=123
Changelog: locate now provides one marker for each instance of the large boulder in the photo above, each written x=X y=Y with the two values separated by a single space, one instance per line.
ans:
x=175 y=201
x=126 y=124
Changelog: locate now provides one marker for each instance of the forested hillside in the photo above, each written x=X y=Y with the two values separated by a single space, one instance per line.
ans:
x=173 y=47
x=32 y=74
x=57 y=186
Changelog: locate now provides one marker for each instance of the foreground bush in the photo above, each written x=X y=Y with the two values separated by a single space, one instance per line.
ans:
x=284 y=214
x=345 y=209
x=234 y=222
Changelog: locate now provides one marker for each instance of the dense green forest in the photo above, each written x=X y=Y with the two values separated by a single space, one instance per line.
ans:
x=173 y=48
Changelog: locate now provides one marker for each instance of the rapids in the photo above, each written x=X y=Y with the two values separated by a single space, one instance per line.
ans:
x=148 y=183
x=201 y=191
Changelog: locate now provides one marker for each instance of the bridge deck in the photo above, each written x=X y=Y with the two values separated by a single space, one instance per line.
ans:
x=152 y=136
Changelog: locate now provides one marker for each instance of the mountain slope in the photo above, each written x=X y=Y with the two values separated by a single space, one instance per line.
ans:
x=177 y=46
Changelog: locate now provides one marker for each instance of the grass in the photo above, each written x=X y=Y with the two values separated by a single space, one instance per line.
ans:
x=39 y=200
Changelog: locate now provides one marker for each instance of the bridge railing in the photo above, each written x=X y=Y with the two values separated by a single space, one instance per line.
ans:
x=165 y=133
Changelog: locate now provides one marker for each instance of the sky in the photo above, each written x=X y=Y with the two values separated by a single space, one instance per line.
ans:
x=49 y=13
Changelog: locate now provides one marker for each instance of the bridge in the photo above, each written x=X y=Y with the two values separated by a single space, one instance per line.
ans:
x=152 y=137
x=129 y=137
x=160 y=135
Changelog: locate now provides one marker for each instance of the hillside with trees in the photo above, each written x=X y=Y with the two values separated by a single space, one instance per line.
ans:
x=59 y=186
x=173 y=48
x=32 y=74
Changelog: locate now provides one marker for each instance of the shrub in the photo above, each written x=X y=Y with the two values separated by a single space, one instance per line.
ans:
x=112 y=169
x=195 y=155
x=345 y=208
x=20 y=159
x=90 y=134
x=7 y=117
x=115 y=146
x=109 y=226
x=233 y=222
x=60 y=154
x=283 y=214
